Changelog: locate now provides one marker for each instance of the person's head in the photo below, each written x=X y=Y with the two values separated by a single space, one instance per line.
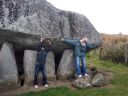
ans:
x=45 y=45
x=84 y=40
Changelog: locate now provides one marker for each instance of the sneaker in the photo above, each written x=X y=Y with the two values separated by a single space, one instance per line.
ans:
x=46 y=85
x=79 y=76
x=36 y=86
x=86 y=75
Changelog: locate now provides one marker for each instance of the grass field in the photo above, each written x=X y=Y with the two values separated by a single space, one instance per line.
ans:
x=118 y=85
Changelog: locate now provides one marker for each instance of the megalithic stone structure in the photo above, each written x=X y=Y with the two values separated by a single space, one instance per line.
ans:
x=23 y=22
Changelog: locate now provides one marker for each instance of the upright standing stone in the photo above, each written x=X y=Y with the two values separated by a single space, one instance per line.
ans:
x=29 y=65
x=8 y=67
x=66 y=67
x=0 y=68
x=50 y=66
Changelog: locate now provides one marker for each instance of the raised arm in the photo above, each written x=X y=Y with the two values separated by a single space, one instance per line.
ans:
x=70 y=42
x=91 y=46
x=48 y=47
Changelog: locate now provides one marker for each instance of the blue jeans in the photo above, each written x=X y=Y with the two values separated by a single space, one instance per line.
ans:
x=83 y=62
x=38 y=68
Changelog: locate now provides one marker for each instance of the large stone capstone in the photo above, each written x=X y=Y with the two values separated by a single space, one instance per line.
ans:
x=8 y=67
x=23 y=22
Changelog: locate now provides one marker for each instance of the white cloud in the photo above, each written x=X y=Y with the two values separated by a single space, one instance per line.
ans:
x=109 y=16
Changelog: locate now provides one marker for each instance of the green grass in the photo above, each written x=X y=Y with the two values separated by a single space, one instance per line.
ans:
x=119 y=83
x=119 y=69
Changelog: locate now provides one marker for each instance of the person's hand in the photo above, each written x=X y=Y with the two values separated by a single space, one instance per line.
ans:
x=41 y=39
x=85 y=39
x=48 y=42
x=61 y=39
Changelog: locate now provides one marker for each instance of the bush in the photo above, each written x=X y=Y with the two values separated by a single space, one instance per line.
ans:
x=114 y=48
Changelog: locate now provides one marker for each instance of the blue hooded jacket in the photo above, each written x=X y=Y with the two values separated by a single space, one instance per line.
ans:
x=78 y=48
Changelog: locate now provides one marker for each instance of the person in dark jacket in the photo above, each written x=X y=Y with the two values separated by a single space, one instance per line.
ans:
x=79 y=48
x=42 y=51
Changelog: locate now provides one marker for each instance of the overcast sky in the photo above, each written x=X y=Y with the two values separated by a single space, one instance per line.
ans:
x=107 y=16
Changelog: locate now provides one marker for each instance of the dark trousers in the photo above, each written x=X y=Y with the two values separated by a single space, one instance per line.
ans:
x=38 y=68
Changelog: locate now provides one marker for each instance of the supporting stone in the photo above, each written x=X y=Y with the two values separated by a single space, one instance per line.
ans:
x=50 y=66
x=66 y=67
x=8 y=67
x=0 y=68
x=29 y=65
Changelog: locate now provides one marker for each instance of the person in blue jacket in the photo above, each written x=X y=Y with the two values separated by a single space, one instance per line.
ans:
x=40 y=62
x=79 y=48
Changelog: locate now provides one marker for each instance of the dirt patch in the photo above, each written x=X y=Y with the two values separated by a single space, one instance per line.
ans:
x=52 y=84
x=27 y=88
